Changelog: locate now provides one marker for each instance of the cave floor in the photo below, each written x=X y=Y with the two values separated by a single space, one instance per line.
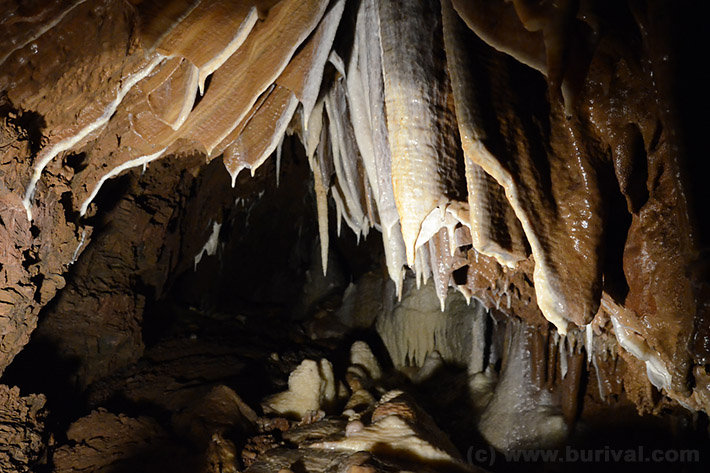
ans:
x=196 y=399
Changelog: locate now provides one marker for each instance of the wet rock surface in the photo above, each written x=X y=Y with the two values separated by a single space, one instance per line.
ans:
x=532 y=170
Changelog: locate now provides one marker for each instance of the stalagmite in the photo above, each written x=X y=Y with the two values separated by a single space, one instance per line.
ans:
x=417 y=327
x=362 y=356
x=477 y=361
x=311 y=386
x=520 y=414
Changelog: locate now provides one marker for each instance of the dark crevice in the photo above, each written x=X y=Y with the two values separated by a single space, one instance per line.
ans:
x=460 y=275
x=67 y=203
x=37 y=283
x=32 y=124
x=76 y=161
x=636 y=170
x=108 y=198
x=616 y=230
x=29 y=258
x=200 y=96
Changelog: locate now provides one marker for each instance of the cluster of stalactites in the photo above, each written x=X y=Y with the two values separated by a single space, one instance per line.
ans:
x=384 y=141
x=399 y=141
x=394 y=136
